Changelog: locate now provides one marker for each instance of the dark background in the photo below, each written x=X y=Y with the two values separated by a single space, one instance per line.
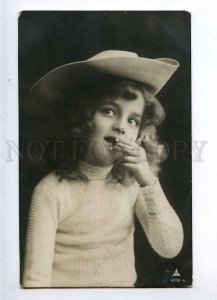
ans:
x=48 y=39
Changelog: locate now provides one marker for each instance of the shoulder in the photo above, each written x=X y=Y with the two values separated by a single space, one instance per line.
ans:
x=51 y=185
x=48 y=183
x=45 y=189
x=57 y=197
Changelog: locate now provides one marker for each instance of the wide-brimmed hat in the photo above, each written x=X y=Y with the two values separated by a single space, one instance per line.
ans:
x=154 y=73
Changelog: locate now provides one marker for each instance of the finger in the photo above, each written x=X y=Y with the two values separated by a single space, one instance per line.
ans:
x=125 y=149
x=126 y=142
x=132 y=159
x=127 y=159
x=129 y=165
x=133 y=151
x=129 y=146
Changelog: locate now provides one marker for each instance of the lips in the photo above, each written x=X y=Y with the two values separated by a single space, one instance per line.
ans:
x=111 y=139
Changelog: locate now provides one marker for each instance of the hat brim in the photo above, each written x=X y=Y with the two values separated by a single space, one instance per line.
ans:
x=154 y=73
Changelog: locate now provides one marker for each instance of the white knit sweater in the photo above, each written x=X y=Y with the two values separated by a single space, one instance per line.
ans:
x=80 y=234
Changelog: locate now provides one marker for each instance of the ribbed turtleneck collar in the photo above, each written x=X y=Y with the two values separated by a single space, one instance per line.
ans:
x=94 y=172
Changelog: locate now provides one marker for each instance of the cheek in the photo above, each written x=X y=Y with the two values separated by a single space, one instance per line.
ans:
x=100 y=125
x=133 y=134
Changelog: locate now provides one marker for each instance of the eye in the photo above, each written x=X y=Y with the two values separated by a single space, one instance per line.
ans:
x=134 y=122
x=108 y=111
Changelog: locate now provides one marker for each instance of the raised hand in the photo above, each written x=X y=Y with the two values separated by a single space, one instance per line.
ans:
x=134 y=158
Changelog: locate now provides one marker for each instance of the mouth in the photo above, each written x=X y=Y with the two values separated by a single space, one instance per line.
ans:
x=111 y=139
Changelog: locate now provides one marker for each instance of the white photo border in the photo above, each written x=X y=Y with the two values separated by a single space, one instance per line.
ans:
x=204 y=95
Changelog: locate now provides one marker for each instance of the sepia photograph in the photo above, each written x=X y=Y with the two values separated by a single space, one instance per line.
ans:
x=105 y=163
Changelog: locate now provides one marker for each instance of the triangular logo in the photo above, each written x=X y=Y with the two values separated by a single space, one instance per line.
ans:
x=176 y=273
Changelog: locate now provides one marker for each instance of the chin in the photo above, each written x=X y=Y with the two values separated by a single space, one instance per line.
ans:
x=105 y=157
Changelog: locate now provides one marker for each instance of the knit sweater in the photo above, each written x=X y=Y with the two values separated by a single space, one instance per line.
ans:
x=80 y=233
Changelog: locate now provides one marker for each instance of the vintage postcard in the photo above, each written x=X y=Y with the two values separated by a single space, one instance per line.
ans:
x=105 y=171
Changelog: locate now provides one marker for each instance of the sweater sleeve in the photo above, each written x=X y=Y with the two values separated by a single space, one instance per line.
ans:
x=159 y=221
x=40 y=241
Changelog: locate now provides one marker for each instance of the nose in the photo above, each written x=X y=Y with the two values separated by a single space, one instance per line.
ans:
x=119 y=128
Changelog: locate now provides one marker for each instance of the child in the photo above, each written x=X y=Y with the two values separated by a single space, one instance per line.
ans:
x=81 y=222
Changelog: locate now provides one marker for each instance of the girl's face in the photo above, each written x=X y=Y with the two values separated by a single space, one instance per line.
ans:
x=114 y=118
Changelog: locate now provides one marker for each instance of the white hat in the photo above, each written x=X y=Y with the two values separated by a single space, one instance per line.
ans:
x=154 y=73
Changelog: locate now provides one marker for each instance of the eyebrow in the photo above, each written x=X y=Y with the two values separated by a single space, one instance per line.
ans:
x=118 y=106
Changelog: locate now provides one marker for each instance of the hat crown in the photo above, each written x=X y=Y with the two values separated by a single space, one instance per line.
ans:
x=112 y=54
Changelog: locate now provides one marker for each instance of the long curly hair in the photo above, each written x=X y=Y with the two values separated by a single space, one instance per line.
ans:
x=78 y=108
